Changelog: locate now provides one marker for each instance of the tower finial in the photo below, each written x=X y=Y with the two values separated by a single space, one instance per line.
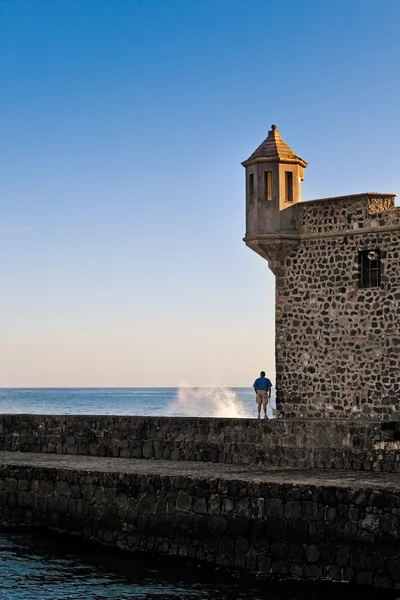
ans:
x=273 y=127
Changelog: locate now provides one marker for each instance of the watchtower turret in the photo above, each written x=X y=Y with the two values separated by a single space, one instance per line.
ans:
x=273 y=189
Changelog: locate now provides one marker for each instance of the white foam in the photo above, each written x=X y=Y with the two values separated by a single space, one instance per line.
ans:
x=207 y=402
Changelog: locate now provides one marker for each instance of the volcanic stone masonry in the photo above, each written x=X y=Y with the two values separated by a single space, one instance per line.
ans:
x=234 y=492
x=337 y=268
x=340 y=444
x=337 y=344
x=250 y=520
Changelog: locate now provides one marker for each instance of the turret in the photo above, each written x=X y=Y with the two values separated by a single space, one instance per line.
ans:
x=273 y=189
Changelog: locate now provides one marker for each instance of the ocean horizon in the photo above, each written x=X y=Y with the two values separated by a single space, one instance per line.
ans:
x=182 y=401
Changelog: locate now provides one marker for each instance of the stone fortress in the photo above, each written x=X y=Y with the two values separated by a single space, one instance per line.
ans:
x=336 y=262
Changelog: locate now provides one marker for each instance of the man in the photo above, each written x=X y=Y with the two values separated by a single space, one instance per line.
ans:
x=262 y=387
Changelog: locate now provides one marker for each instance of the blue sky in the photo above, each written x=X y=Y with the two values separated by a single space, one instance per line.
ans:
x=123 y=126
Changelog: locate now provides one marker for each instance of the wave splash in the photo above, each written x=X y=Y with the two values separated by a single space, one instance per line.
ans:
x=207 y=402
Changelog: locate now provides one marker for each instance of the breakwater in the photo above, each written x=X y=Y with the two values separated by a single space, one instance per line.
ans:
x=338 y=444
x=221 y=491
x=275 y=523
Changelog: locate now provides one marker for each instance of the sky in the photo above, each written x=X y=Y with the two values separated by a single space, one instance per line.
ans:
x=123 y=127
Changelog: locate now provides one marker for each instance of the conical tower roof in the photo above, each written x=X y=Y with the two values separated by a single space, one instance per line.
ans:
x=274 y=149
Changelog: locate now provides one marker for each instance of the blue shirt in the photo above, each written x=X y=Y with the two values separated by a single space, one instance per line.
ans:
x=262 y=383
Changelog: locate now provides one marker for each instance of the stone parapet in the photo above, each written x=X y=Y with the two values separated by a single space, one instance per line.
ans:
x=341 y=444
x=348 y=214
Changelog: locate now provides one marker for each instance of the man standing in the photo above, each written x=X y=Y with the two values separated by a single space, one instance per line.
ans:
x=262 y=387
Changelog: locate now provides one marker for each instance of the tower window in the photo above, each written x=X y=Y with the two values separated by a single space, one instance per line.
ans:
x=370 y=268
x=289 y=186
x=251 y=185
x=268 y=185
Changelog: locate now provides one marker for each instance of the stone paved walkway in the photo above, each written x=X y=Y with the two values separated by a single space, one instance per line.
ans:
x=256 y=473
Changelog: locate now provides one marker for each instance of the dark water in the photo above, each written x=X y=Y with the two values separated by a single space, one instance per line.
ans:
x=44 y=566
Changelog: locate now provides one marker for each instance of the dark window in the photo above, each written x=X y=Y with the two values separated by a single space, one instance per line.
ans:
x=268 y=184
x=289 y=186
x=251 y=185
x=370 y=268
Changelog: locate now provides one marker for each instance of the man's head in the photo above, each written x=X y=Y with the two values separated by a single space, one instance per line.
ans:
x=262 y=374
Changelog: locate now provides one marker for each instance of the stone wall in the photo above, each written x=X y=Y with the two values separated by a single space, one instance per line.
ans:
x=335 y=444
x=302 y=531
x=347 y=214
x=338 y=345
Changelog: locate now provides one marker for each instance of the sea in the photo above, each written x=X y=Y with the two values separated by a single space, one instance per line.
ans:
x=40 y=565
x=182 y=401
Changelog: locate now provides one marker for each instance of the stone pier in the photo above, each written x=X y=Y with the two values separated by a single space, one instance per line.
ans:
x=213 y=495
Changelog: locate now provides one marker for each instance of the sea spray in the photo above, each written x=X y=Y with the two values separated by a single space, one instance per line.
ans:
x=207 y=402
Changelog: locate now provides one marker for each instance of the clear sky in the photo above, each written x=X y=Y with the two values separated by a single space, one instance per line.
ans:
x=123 y=126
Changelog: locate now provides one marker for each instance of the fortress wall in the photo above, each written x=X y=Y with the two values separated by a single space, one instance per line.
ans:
x=347 y=214
x=325 y=444
x=276 y=530
x=338 y=345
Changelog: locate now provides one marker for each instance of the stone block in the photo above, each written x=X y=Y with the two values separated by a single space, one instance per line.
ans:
x=364 y=578
x=146 y=503
x=279 y=548
x=242 y=508
x=334 y=572
x=215 y=504
x=241 y=545
x=274 y=508
x=370 y=522
x=227 y=506
x=263 y=564
x=310 y=511
x=10 y=484
x=312 y=553
x=23 y=485
x=390 y=525
x=61 y=488
x=240 y=562
x=394 y=568
x=200 y=506
x=218 y=524
x=347 y=574
x=343 y=554
x=316 y=530
x=184 y=502
x=350 y=531
x=293 y=510
x=296 y=553
x=279 y=567
x=296 y=571
x=313 y=571
x=82 y=506
x=382 y=581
